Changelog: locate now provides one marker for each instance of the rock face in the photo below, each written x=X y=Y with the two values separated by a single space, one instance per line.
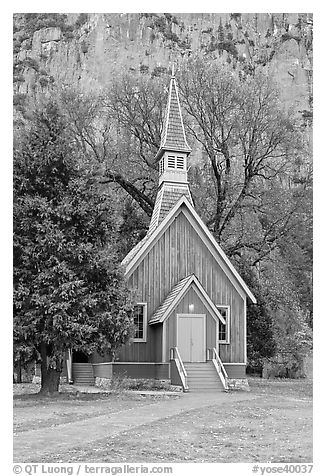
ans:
x=86 y=50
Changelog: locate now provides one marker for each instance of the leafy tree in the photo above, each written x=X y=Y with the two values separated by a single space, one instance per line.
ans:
x=68 y=289
x=290 y=327
x=23 y=355
x=132 y=229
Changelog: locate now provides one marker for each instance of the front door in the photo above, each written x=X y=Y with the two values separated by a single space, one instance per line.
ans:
x=191 y=332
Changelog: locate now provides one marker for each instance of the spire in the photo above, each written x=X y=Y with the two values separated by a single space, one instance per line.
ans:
x=172 y=156
x=173 y=135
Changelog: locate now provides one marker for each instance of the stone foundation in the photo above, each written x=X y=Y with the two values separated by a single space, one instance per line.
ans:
x=144 y=384
x=234 y=384
x=102 y=382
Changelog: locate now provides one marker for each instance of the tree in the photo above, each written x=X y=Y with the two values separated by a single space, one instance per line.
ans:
x=246 y=136
x=132 y=229
x=68 y=289
x=261 y=342
x=121 y=130
x=290 y=327
x=250 y=174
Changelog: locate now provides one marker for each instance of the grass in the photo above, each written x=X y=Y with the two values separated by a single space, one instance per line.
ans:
x=33 y=411
x=273 y=423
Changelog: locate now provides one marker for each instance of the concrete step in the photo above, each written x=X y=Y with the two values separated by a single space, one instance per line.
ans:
x=203 y=373
x=206 y=390
x=202 y=377
x=84 y=382
x=82 y=372
x=213 y=378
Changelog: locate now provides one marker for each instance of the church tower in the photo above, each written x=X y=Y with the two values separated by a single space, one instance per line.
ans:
x=172 y=156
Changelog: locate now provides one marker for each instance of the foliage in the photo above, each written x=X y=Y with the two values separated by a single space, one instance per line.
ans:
x=164 y=25
x=37 y=21
x=132 y=229
x=68 y=290
x=241 y=180
x=81 y=20
x=261 y=343
x=292 y=332
x=84 y=47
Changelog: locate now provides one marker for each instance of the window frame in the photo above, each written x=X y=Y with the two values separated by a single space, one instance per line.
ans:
x=227 y=321
x=144 y=338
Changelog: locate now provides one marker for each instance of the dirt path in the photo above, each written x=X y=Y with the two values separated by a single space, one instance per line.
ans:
x=31 y=445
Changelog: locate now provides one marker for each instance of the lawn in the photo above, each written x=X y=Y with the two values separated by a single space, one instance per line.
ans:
x=271 y=423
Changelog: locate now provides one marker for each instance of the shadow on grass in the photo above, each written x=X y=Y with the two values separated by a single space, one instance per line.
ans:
x=63 y=396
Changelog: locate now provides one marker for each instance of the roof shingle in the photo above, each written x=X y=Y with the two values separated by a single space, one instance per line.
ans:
x=173 y=134
x=175 y=291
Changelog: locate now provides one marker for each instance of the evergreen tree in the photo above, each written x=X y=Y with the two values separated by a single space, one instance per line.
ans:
x=68 y=289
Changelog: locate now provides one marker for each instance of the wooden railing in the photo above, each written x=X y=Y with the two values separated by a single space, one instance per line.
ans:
x=69 y=366
x=219 y=367
x=174 y=355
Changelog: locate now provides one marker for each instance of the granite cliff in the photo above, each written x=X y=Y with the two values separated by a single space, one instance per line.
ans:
x=86 y=50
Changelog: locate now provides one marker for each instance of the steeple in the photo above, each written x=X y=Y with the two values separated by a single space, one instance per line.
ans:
x=172 y=156
x=174 y=149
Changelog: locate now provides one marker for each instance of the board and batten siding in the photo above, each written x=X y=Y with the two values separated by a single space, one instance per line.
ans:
x=178 y=252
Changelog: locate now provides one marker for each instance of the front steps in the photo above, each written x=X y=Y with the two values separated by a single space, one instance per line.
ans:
x=83 y=374
x=202 y=377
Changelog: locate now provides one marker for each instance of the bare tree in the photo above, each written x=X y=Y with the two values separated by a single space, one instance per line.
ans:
x=121 y=129
x=249 y=141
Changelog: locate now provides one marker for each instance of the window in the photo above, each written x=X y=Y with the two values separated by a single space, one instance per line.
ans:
x=140 y=321
x=224 y=329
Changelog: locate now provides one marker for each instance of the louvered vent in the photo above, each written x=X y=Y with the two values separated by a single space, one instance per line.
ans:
x=171 y=161
x=161 y=165
x=180 y=163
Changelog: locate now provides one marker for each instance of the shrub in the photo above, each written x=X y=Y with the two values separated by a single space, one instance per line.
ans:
x=31 y=63
x=43 y=81
x=19 y=78
x=19 y=99
x=143 y=68
x=158 y=70
x=81 y=20
x=84 y=47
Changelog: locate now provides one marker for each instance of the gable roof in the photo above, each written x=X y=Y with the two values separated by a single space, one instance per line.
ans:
x=137 y=253
x=173 y=133
x=175 y=296
x=127 y=259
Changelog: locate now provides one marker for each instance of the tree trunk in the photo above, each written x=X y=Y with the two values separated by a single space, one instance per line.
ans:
x=51 y=368
x=19 y=372
x=50 y=384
